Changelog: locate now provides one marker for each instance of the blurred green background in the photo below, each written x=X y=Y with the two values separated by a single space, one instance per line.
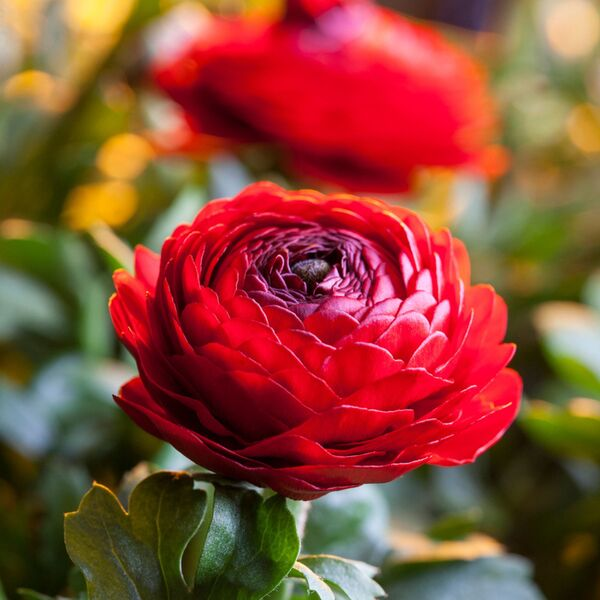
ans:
x=80 y=184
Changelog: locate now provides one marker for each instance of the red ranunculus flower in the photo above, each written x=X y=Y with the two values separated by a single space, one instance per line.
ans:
x=312 y=343
x=352 y=93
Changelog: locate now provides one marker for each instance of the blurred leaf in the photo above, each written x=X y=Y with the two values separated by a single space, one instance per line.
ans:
x=497 y=578
x=27 y=305
x=136 y=554
x=591 y=291
x=183 y=210
x=455 y=526
x=22 y=426
x=351 y=523
x=228 y=176
x=562 y=431
x=27 y=594
x=571 y=337
x=251 y=545
x=31 y=248
x=144 y=11
x=46 y=254
x=60 y=486
x=325 y=574
x=96 y=332
x=170 y=459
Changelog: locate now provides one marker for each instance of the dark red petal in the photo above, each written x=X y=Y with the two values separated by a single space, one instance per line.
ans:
x=330 y=325
x=289 y=450
x=237 y=331
x=428 y=354
x=356 y=365
x=272 y=355
x=309 y=389
x=200 y=324
x=500 y=404
x=147 y=266
x=353 y=424
x=398 y=391
x=281 y=318
x=240 y=307
x=308 y=348
x=136 y=402
x=405 y=335
x=128 y=308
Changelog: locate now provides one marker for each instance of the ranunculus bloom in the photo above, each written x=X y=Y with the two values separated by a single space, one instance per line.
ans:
x=352 y=93
x=311 y=343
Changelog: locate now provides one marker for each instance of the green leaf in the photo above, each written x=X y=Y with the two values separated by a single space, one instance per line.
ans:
x=591 y=291
x=251 y=545
x=95 y=330
x=352 y=577
x=60 y=486
x=228 y=176
x=136 y=555
x=26 y=304
x=571 y=338
x=563 y=431
x=456 y=525
x=22 y=426
x=496 y=578
x=315 y=585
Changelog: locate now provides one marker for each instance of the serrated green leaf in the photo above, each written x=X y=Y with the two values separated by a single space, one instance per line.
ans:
x=250 y=547
x=317 y=588
x=353 y=577
x=169 y=501
x=496 y=578
x=136 y=555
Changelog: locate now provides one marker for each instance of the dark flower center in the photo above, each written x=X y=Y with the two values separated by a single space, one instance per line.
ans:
x=312 y=271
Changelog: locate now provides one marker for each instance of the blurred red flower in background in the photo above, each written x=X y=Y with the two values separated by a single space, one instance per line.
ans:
x=353 y=94
x=311 y=343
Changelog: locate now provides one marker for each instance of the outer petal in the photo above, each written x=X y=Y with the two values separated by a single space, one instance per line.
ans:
x=500 y=400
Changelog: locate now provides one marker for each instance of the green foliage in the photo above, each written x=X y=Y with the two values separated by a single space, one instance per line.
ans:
x=138 y=554
x=493 y=578
x=325 y=575
x=251 y=545
x=183 y=210
x=352 y=523
x=71 y=391
x=26 y=304
x=564 y=432
x=246 y=545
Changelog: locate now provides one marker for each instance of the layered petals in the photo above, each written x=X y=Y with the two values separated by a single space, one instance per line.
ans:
x=311 y=343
